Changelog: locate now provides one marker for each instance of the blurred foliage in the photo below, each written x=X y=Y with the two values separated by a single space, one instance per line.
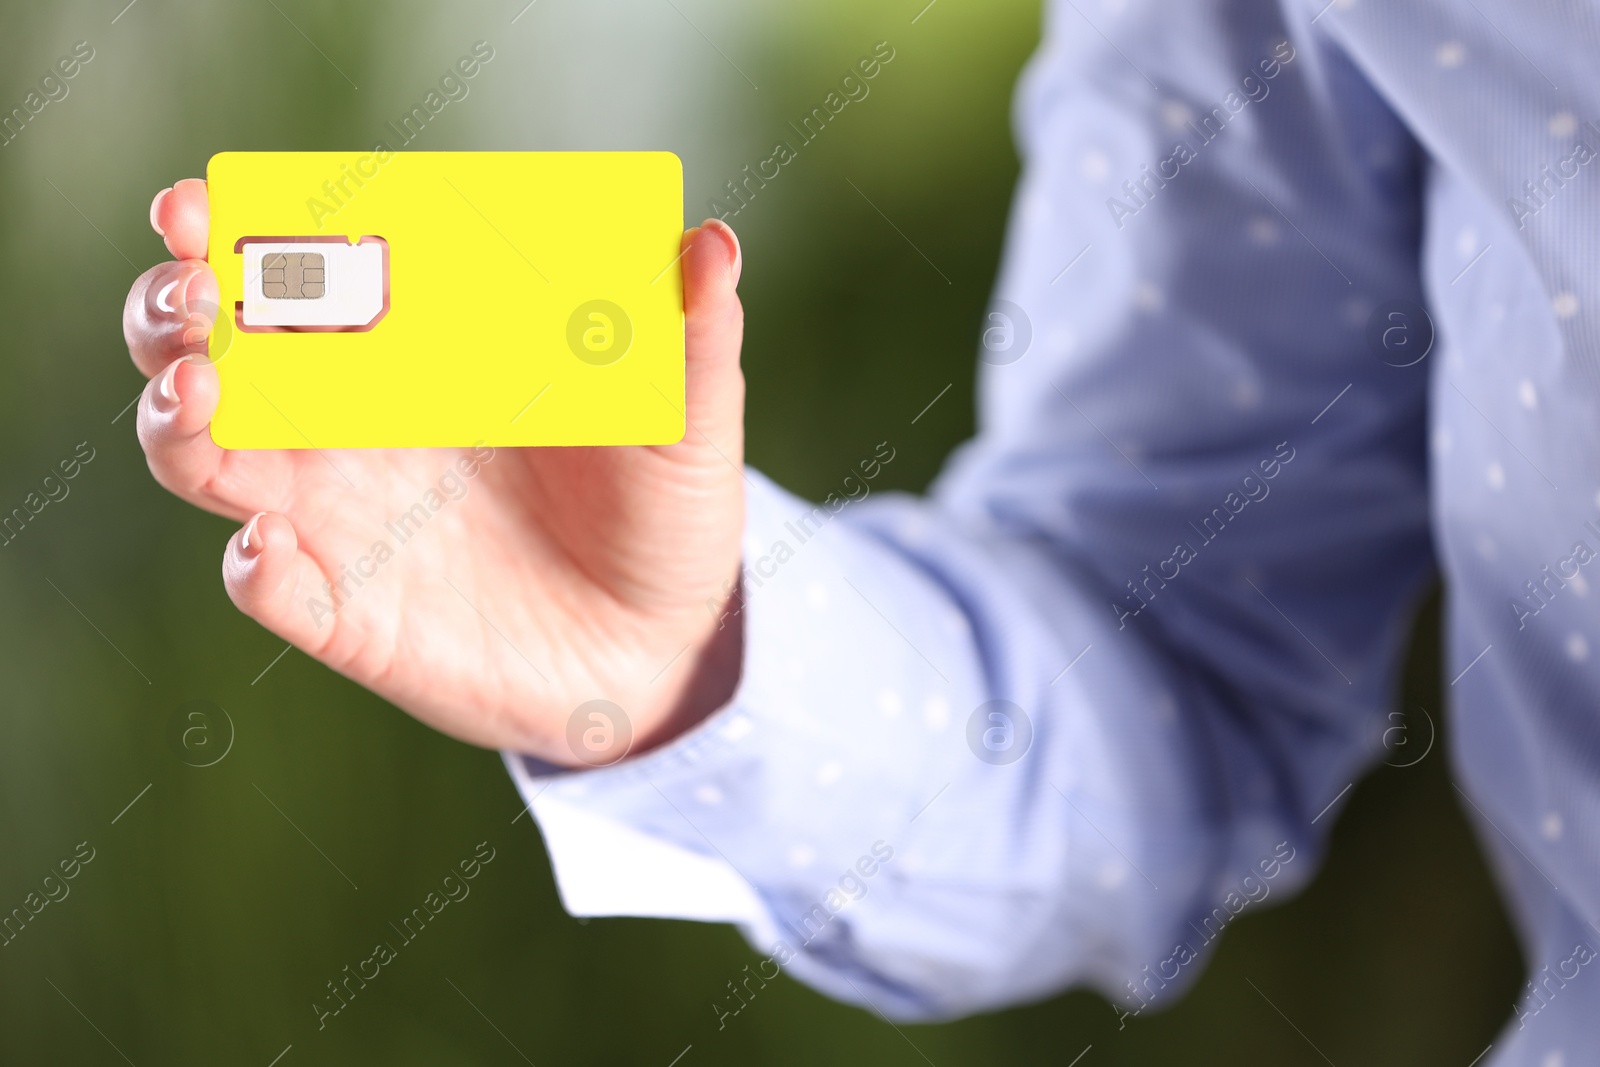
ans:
x=208 y=921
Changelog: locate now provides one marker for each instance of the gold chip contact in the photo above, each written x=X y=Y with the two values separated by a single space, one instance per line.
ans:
x=293 y=276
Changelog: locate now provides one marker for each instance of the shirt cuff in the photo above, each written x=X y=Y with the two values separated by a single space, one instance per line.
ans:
x=603 y=867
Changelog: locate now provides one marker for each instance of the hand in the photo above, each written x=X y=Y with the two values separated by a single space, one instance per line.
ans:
x=563 y=575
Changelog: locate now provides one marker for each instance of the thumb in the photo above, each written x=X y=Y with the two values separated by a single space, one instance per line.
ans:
x=713 y=334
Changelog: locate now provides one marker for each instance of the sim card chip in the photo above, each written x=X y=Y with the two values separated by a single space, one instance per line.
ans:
x=293 y=276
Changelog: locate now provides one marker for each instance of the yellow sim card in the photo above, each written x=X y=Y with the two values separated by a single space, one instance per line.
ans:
x=429 y=299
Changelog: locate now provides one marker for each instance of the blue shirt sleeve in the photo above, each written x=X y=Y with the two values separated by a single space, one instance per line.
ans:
x=1065 y=717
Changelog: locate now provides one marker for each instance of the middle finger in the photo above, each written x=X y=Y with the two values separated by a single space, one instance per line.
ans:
x=169 y=313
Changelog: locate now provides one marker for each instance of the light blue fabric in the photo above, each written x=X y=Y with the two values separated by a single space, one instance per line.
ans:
x=1209 y=489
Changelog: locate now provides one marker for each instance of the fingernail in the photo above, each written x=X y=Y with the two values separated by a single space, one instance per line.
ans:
x=155 y=211
x=733 y=238
x=197 y=293
x=166 y=396
x=198 y=308
x=252 y=543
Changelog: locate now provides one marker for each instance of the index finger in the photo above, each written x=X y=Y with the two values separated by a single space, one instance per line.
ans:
x=182 y=215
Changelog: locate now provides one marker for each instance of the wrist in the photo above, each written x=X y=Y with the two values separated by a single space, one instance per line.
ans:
x=701 y=679
x=711 y=676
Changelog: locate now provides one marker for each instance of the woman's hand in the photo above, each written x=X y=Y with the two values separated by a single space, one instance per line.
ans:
x=559 y=576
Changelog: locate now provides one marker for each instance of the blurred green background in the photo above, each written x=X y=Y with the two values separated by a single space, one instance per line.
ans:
x=207 y=921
